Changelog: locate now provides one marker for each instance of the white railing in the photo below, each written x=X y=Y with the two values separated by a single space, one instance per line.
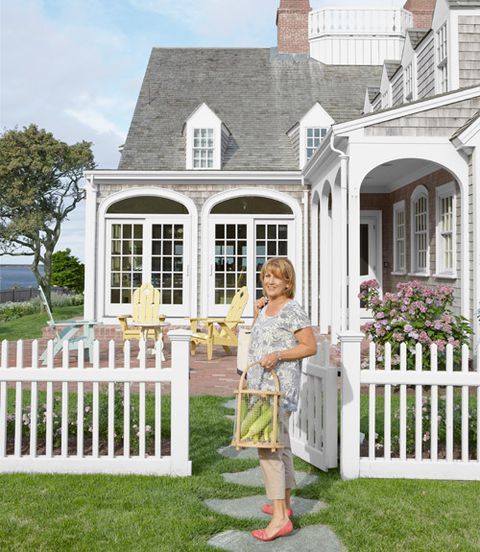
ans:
x=430 y=427
x=359 y=21
x=63 y=434
x=313 y=427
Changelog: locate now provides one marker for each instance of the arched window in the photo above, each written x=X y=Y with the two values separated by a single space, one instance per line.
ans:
x=420 y=232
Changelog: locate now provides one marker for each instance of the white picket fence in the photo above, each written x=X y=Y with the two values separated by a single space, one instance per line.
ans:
x=432 y=433
x=313 y=427
x=87 y=379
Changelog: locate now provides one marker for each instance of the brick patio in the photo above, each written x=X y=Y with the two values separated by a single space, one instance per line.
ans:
x=215 y=377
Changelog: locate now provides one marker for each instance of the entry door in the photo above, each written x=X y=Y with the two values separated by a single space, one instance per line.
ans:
x=156 y=250
x=239 y=249
x=370 y=250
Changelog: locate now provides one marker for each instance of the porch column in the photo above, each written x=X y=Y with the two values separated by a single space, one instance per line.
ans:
x=337 y=276
x=353 y=254
x=315 y=245
x=90 y=248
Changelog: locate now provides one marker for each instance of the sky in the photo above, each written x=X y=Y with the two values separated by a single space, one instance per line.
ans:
x=75 y=67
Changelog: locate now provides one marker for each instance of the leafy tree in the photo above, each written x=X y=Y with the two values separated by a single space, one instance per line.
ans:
x=67 y=271
x=40 y=179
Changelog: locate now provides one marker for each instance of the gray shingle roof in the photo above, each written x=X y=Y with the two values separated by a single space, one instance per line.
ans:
x=416 y=36
x=467 y=123
x=391 y=66
x=373 y=92
x=258 y=94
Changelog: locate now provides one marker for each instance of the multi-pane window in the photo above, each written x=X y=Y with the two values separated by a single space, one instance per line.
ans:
x=314 y=139
x=271 y=240
x=420 y=233
x=399 y=259
x=386 y=98
x=442 y=58
x=167 y=262
x=446 y=229
x=126 y=261
x=230 y=261
x=408 y=77
x=203 y=148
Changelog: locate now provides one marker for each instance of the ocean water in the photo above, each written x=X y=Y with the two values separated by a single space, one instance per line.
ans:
x=16 y=275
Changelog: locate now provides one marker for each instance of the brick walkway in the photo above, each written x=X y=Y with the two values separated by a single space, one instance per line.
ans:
x=216 y=377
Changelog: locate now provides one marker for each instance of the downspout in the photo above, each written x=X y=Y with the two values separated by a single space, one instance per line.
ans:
x=343 y=238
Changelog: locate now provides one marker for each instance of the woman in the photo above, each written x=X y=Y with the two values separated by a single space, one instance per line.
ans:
x=281 y=336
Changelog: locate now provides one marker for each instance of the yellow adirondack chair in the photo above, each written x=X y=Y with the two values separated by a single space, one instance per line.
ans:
x=220 y=331
x=146 y=308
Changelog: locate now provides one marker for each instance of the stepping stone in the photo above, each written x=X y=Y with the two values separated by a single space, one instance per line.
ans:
x=242 y=454
x=232 y=403
x=315 y=538
x=250 y=506
x=253 y=478
x=230 y=417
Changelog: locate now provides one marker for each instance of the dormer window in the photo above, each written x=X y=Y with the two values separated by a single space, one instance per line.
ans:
x=315 y=135
x=408 y=77
x=309 y=133
x=206 y=140
x=442 y=59
x=203 y=148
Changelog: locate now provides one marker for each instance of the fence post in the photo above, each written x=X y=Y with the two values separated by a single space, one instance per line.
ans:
x=180 y=430
x=350 y=405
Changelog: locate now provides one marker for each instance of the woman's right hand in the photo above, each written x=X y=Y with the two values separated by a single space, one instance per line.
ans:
x=260 y=304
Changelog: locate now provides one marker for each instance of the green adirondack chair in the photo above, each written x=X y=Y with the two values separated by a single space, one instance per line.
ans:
x=67 y=330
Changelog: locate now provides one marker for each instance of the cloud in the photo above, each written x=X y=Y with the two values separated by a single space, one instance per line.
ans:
x=96 y=121
x=241 y=23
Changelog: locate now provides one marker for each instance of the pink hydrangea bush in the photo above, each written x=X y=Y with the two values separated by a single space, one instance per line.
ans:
x=414 y=314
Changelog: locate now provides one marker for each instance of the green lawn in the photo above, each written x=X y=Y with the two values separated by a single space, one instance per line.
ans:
x=30 y=327
x=52 y=512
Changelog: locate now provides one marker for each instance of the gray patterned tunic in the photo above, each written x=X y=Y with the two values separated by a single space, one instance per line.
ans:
x=276 y=333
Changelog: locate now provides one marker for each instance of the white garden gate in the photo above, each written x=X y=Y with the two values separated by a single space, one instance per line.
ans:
x=64 y=431
x=313 y=428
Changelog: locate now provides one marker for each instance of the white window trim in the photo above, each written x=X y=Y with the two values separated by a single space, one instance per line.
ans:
x=417 y=193
x=442 y=63
x=412 y=94
x=386 y=97
x=441 y=192
x=212 y=149
x=312 y=127
x=399 y=206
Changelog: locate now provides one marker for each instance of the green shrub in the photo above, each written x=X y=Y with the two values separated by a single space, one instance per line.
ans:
x=12 y=311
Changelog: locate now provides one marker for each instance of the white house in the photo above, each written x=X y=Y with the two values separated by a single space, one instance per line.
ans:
x=358 y=133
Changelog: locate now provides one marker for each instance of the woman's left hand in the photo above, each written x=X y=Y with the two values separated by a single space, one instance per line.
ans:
x=269 y=362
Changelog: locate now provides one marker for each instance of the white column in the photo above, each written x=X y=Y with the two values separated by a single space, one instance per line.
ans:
x=353 y=254
x=350 y=405
x=476 y=241
x=180 y=429
x=344 y=251
x=338 y=276
x=90 y=248
x=315 y=246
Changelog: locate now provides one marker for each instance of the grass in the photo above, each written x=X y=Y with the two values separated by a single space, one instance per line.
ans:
x=60 y=512
x=30 y=326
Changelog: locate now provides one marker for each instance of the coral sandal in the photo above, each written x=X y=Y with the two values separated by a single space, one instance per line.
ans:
x=261 y=534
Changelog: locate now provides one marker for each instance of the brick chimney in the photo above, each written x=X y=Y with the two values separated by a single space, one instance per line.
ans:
x=292 y=27
x=422 y=11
